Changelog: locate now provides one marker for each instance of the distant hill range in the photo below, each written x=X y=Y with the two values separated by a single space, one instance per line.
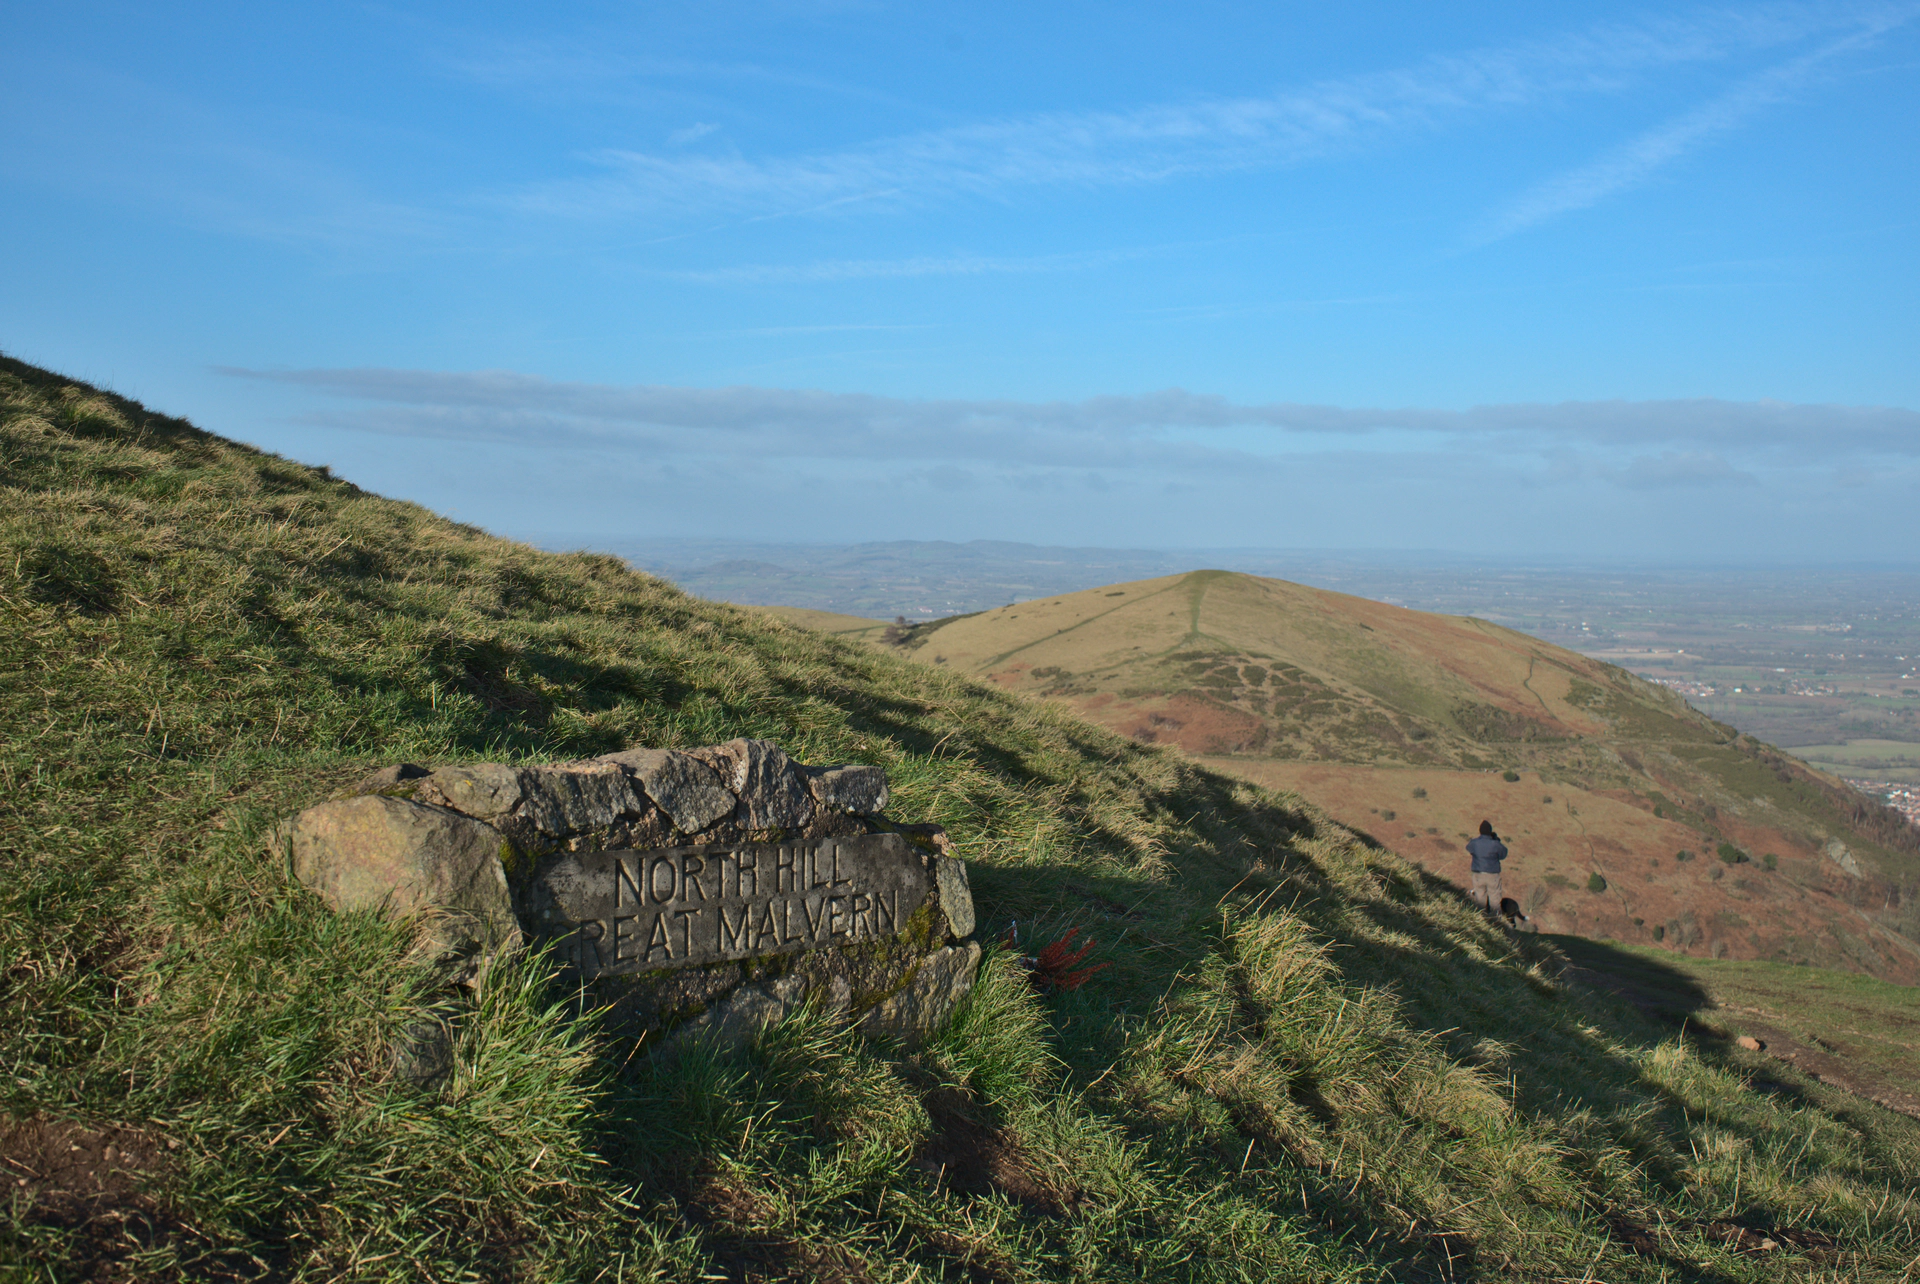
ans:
x=925 y=579
x=1414 y=726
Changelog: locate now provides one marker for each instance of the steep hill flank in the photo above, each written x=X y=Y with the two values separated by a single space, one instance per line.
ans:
x=1404 y=723
x=1301 y=1060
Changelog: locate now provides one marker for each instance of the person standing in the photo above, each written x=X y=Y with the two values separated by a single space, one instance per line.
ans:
x=1487 y=851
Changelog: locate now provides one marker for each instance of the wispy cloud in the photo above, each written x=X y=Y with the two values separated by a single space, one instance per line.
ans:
x=595 y=69
x=870 y=269
x=1096 y=149
x=1637 y=445
x=692 y=133
x=301 y=178
x=1638 y=160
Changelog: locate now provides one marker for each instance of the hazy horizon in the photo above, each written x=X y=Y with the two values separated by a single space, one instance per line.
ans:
x=924 y=579
x=569 y=541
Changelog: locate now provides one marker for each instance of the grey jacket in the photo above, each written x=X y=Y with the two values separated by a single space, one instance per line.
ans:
x=1487 y=852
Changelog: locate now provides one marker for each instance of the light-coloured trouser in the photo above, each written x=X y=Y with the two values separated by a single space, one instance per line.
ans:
x=1486 y=892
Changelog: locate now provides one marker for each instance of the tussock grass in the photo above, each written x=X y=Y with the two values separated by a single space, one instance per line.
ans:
x=1304 y=1060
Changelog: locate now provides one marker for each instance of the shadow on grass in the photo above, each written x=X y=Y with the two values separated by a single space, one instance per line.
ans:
x=1455 y=978
x=1664 y=994
x=1667 y=997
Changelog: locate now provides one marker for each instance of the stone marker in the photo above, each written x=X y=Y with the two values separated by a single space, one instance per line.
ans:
x=697 y=894
x=617 y=912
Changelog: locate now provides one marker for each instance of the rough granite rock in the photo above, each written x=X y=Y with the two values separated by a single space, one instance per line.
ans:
x=920 y=1007
x=374 y=852
x=771 y=792
x=680 y=785
x=735 y=1020
x=859 y=790
x=536 y=807
x=928 y=998
x=487 y=790
x=956 y=898
x=562 y=801
x=387 y=778
x=1839 y=853
x=934 y=836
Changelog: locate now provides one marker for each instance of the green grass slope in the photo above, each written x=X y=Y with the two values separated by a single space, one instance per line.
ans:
x=1303 y=1059
x=1357 y=704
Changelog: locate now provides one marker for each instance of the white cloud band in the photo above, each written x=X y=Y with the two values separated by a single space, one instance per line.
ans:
x=1647 y=443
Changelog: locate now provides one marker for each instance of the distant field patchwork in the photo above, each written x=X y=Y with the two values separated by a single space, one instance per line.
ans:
x=1862 y=753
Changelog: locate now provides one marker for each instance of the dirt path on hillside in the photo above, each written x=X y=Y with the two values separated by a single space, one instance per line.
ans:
x=1824 y=1063
x=1674 y=998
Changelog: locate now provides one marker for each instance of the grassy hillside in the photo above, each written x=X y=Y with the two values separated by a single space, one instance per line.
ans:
x=1415 y=726
x=1302 y=1059
x=854 y=628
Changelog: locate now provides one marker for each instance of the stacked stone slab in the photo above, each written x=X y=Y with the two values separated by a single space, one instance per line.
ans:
x=697 y=893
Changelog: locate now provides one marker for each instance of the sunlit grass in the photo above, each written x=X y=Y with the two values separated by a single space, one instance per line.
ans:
x=1305 y=1059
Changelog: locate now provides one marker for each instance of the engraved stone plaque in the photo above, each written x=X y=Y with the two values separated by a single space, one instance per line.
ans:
x=619 y=912
x=866 y=918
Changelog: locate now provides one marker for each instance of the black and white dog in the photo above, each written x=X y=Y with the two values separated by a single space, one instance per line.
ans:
x=1510 y=910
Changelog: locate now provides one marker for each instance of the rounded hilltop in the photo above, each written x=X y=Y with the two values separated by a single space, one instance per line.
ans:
x=1411 y=726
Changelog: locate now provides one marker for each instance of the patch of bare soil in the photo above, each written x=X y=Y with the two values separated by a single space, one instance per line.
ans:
x=1194 y=723
x=967 y=1154
x=1743 y=1238
x=1830 y=1066
x=1452 y=1254
x=750 y=1250
x=88 y=1181
x=1750 y=1237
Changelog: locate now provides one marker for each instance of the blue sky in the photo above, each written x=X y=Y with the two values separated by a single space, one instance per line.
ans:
x=1593 y=281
